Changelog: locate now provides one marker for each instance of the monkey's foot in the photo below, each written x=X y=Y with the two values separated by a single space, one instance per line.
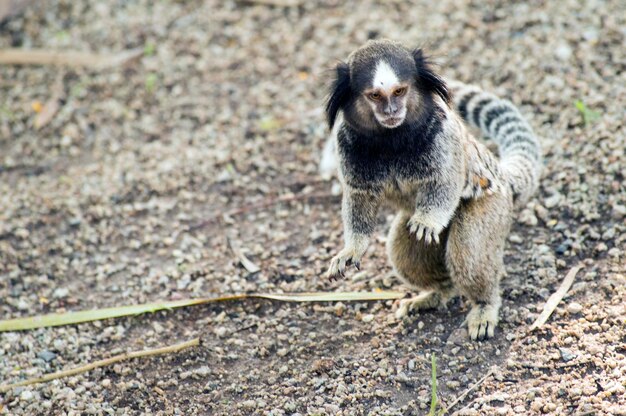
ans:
x=481 y=321
x=425 y=300
x=430 y=233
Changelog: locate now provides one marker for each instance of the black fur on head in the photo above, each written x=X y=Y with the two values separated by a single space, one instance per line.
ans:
x=427 y=79
x=340 y=92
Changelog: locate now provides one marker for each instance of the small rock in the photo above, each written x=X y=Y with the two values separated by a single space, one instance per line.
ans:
x=563 y=52
x=220 y=331
x=567 y=355
x=619 y=211
x=368 y=318
x=26 y=396
x=516 y=239
x=552 y=201
x=608 y=234
x=574 y=308
x=60 y=293
x=47 y=356
x=202 y=371
x=249 y=404
x=528 y=218
x=458 y=336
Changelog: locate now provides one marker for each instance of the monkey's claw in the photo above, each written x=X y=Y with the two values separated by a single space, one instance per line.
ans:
x=421 y=231
x=339 y=263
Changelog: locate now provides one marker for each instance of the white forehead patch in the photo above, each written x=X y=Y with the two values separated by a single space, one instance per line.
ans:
x=384 y=77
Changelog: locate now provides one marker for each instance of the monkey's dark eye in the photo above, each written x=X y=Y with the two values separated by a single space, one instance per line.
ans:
x=375 y=96
x=400 y=92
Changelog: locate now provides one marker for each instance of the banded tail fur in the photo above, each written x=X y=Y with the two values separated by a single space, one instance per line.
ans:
x=519 y=149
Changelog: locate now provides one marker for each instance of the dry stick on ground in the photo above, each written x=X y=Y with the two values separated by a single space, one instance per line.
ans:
x=69 y=58
x=466 y=392
x=245 y=262
x=101 y=363
x=278 y=3
x=556 y=297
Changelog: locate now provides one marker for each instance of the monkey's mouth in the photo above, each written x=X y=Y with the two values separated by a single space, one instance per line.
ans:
x=392 y=122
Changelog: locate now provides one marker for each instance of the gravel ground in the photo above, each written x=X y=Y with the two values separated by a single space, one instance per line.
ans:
x=119 y=200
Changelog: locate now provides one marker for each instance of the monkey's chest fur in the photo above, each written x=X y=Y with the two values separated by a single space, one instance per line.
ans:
x=395 y=164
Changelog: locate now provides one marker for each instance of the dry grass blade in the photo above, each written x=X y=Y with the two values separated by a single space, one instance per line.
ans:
x=69 y=58
x=102 y=363
x=556 y=297
x=70 y=318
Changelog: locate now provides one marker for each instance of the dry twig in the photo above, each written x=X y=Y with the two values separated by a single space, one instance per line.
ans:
x=245 y=262
x=102 y=363
x=466 y=392
x=556 y=297
x=69 y=58
x=278 y=3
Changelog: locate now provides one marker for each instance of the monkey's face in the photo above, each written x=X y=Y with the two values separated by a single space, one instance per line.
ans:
x=386 y=97
x=383 y=86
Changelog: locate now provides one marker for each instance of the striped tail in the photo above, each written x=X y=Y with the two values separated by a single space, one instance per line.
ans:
x=520 y=152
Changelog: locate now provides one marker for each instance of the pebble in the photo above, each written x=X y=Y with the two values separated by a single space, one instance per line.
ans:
x=567 y=355
x=26 y=395
x=563 y=52
x=60 y=293
x=459 y=336
x=367 y=318
x=47 y=356
x=249 y=404
x=619 y=211
x=574 y=308
x=552 y=201
x=220 y=331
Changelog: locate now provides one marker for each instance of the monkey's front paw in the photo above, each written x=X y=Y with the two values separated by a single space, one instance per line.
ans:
x=482 y=321
x=338 y=264
x=421 y=230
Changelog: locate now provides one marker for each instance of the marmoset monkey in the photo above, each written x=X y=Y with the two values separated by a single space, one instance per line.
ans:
x=398 y=139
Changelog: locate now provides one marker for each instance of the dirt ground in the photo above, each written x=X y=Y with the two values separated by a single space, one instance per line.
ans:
x=127 y=195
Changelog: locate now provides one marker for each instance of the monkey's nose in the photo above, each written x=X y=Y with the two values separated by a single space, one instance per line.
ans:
x=390 y=110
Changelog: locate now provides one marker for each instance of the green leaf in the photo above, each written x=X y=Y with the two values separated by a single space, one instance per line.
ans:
x=269 y=124
x=149 y=48
x=433 y=385
x=151 y=81
x=70 y=318
x=589 y=116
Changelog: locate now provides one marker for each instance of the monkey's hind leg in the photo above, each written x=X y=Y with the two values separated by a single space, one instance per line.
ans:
x=474 y=257
x=421 y=266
